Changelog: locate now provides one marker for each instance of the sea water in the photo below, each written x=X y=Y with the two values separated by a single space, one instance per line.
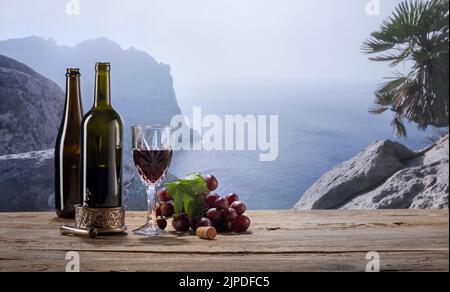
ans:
x=319 y=128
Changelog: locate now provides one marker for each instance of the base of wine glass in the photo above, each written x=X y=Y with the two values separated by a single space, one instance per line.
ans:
x=148 y=230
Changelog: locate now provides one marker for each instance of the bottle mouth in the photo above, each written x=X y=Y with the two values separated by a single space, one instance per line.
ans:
x=73 y=72
x=102 y=66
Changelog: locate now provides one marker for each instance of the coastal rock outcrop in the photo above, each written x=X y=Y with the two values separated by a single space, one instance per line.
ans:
x=386 y=175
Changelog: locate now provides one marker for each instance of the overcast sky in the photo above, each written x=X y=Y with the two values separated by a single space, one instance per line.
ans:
x=218 y=40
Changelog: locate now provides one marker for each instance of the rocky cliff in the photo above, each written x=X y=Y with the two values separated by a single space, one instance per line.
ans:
x=30 y=108
x=386 y=175
x=27 y=184
x=27 y=181
x=30 y=113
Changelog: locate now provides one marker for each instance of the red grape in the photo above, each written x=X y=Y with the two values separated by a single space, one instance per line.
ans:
x=162 y=223
x=221 y=204
x=167 y=209
x=211 y=200
x=199 y=222
x=229 y=214
x=241 y=224
x=158 y=211
x=193 y=222
x=239 y=207
x=203 y=222
x=163 y=195
x=232 y=198
x=225 y=226
x=181 y=223
x=211 y=182
x=213 y=215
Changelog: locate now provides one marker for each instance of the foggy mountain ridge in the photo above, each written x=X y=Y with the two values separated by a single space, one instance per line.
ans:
x=141 y=88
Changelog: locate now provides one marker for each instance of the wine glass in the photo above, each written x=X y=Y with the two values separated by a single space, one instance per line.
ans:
x=152 y=154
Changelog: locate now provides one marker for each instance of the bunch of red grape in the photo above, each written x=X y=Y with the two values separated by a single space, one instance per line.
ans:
x=225 y=214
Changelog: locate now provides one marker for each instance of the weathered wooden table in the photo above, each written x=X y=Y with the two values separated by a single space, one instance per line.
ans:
x=406 y=240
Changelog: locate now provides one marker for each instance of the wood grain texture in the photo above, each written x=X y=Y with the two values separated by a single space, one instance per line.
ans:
x=407 y=240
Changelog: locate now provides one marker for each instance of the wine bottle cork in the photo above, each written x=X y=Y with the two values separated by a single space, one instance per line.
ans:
x=206 y=232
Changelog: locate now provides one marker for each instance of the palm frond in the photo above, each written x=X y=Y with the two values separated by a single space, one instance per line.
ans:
x=399 y=127
x=392 y=86
x=417 y=32
x=378 y=109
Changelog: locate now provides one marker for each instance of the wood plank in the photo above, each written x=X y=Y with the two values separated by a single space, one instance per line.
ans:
x=307 y=262
x=407 y=240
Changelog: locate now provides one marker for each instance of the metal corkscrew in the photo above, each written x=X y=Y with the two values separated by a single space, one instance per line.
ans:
x=75 y=231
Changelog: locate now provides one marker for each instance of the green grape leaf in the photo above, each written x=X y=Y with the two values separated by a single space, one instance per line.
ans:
x=196 y=182
x=187 y=195
x=177 y=191
x=189 y=204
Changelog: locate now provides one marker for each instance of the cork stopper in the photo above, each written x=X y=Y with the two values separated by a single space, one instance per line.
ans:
x=208 y=233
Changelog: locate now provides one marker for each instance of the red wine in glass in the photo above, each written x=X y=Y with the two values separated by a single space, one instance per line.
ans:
x=152 y=154
x=152 y=164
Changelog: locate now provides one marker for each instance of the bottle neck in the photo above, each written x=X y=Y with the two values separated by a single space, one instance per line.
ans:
x=102 y=89
x=73 y=101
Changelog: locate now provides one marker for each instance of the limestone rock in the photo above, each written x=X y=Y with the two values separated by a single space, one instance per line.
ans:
x=385 y=175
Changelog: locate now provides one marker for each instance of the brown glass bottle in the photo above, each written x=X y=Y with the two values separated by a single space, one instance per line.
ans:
x=101 y=151
x=68 y=148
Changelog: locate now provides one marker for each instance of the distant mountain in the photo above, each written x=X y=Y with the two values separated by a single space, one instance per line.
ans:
x=142 y=89
x=31 y=111
x=30 y=108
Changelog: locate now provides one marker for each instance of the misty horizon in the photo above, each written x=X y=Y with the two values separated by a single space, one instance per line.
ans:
x=219 y=42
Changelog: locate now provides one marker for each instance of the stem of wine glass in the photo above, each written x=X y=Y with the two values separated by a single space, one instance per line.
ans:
x=151 y=203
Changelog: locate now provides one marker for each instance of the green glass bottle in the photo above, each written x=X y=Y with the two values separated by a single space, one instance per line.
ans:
x=67 y=149
x=101 y=148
